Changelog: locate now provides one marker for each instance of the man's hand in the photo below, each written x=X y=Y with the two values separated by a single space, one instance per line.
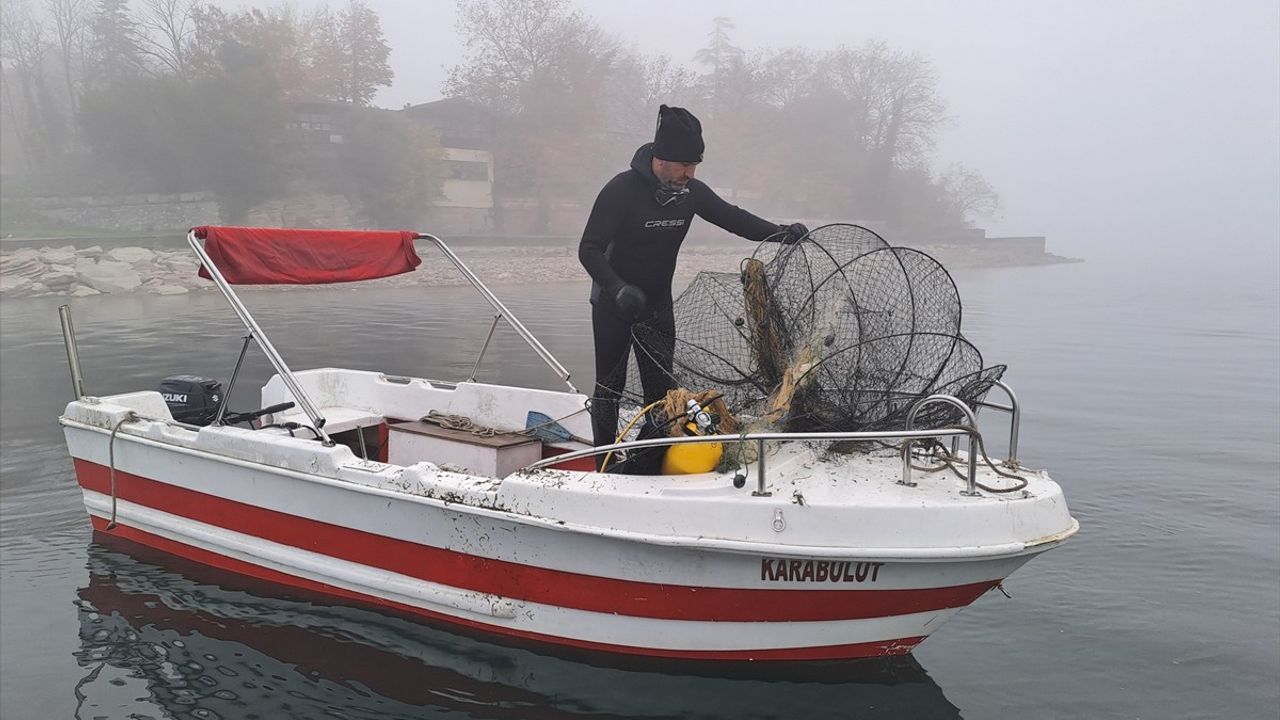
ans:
x=789 y=234
x=630 y=301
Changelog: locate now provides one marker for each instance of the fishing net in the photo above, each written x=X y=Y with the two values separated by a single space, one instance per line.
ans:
x=839 y=332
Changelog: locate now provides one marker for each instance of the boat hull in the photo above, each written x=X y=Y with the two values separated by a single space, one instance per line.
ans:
x=516 y=576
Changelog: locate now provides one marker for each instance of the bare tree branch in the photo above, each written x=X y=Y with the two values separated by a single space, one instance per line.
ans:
x=167 y=29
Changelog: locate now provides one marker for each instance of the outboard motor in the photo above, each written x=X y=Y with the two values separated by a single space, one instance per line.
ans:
x=191 y=399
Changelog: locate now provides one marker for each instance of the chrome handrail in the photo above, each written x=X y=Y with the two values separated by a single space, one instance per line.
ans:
x=971 y=431
x=286 y=375
x=73 y=352
x=502 y=310
x=291 y=381
x=760 y=439
x=1015 y=421
x=487 y=338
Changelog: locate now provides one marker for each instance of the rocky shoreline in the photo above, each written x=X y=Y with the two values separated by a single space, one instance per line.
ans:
x=81 y=272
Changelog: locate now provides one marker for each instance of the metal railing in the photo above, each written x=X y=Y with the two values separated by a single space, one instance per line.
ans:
x=762 y=489
x=286 y=375
x=73 y=352
x=911 y=436
x=971 y=431
x=1016 y=412
x=291 y=381
x=502 y=313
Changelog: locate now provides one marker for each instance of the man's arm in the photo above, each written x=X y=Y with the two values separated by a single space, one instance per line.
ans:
x=602 y=228
x=712 y=208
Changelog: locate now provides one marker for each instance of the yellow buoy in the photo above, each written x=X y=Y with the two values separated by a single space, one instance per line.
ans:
x=690 y=458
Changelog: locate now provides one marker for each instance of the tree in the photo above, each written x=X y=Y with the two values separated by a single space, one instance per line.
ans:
x=636 y=86
x=113 y=48
x=667 y=83
x=892 y=97
x=543 y=68
x=392 y=166
x=720 y=52
x=787 y=77
x=71 y=19
x=724 y=59
x=166 y=31
x=24 y=44
x=317 y=55
x=219 y=129
x=967 y=195
x=519 y=48
x=283 y=43
x=359 y=53
x=896 y=96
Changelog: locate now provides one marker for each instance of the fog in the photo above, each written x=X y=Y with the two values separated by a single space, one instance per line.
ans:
x=1136 y=131
x=1117 y=129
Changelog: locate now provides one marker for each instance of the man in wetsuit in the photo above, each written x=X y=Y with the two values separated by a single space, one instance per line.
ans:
x=629 y=248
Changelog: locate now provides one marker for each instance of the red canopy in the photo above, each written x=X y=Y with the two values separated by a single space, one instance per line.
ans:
x=267 y=256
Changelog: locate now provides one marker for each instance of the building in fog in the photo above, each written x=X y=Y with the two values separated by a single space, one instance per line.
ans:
x=318 y=122
x=466 y=133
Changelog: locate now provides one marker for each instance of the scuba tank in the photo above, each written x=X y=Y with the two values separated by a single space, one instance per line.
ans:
x=690 y=458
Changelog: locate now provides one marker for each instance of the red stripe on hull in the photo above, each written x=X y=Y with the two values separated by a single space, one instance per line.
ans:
x=850 y=651
x=525 y=582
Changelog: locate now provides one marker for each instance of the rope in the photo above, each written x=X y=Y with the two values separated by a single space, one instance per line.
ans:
x=627 y=429
x=129 y=416
x=949 y=461
x=458 y=422
x=676 y=402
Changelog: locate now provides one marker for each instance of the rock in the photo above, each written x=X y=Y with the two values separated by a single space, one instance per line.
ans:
x=13 y=285
x=17 y=265
x=65 y=255
x=90 y=252
x=59 y=277
x=108 y=277
x=83 y=291
x=169 y=290
x=131 y=255
x=181 y=268
x=22 y=255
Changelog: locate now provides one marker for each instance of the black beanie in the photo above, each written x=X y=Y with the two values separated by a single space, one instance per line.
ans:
x=679 y=136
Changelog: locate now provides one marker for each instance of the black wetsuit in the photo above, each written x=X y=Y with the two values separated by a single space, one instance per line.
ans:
x=632 y=239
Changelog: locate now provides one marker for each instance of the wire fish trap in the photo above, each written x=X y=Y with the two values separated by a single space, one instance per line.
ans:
x=839 y=332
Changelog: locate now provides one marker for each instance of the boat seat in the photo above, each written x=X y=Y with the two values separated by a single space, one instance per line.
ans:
x=336 y=418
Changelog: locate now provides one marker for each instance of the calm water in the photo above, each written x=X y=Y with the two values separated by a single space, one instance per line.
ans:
x=1154 y=400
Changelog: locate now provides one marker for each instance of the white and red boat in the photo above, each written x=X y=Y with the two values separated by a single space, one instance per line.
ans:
x=820 y=556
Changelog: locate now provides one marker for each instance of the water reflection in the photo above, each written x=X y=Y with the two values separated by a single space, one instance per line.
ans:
x=161 y=637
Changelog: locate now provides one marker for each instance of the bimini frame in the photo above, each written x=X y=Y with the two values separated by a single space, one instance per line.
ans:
x=291 y=381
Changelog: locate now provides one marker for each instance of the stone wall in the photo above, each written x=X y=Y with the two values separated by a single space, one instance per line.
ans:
x=1022 y=244
x=146 y=212
x=516 y=218
x=307 y=211
x=455 y=221
x=177 y=211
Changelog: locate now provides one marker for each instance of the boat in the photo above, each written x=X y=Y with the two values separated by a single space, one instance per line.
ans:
x=167 y=627
x=479 y=505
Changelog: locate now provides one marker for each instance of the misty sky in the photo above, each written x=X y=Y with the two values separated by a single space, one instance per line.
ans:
x=1133 y=128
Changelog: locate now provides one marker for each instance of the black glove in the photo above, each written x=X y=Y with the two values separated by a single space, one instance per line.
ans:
x=794 y=233
x=630 y=301
x=789 y=234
